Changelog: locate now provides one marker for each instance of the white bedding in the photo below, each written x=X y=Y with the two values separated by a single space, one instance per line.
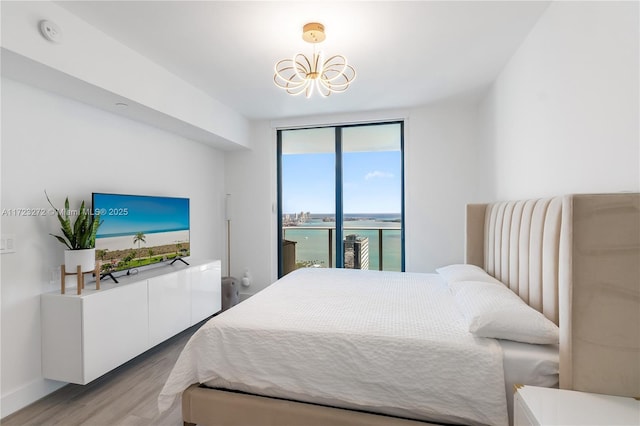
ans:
x=527 y=364
x=385 y=342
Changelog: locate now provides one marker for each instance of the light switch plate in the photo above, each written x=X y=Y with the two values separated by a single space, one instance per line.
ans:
x=8 y=243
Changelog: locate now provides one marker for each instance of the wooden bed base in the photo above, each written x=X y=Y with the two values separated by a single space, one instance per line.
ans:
x=575 y=258
x=210 y=407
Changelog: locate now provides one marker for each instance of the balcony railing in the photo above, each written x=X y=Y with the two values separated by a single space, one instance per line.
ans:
x=316 y=245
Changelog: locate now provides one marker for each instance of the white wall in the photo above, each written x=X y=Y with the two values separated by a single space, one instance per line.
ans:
x=563 y=116
x=251 y=181
x=444 y=172
x=71 y=149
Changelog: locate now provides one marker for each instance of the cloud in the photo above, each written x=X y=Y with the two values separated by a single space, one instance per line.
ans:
x=378 y=174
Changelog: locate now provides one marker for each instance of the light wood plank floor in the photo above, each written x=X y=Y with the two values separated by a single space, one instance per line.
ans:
x=126 y=396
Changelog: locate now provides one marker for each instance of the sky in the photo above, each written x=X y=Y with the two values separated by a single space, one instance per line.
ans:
x=371 y=182
x=129 y=214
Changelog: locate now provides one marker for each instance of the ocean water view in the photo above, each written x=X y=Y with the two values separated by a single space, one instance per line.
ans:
x=311 y=233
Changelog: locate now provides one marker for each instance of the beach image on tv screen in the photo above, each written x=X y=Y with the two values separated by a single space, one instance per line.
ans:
x=140 y=230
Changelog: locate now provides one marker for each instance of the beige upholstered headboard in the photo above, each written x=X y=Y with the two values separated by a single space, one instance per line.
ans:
x=576 y=259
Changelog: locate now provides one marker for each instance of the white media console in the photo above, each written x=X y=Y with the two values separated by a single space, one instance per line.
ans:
x=85 y=336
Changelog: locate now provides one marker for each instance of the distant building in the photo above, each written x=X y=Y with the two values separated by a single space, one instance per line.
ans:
x=356 y=252
x=296 y=219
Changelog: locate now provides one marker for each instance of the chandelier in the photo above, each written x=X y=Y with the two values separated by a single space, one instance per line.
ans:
x=304 y=75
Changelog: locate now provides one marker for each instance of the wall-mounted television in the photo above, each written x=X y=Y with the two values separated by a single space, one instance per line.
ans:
x=140 y=230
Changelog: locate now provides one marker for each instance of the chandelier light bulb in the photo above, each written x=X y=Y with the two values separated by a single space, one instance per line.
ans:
x=301 y=75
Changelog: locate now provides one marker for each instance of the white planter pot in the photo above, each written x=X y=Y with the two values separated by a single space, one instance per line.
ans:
x=85 y=258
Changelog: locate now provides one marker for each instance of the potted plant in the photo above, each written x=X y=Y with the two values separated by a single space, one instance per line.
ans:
x=79 y=236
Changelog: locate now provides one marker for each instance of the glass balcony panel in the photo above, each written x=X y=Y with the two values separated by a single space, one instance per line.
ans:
x=315 y=246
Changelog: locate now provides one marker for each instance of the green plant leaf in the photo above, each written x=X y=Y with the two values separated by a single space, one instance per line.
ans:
x=80 y=235
x=78 y=228
x=62 y=240
x=94 y=230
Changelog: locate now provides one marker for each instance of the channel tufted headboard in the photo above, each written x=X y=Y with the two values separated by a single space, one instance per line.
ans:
x=576 y=259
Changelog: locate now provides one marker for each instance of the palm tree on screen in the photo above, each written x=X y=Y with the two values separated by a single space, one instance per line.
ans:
x=139 y=237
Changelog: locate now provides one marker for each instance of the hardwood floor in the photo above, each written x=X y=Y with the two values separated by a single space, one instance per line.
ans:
x=125 y=396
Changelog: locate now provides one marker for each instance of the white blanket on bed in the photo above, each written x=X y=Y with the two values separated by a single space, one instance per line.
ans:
x=386 y=342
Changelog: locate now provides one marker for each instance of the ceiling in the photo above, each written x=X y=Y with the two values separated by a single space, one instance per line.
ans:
x=406 y=54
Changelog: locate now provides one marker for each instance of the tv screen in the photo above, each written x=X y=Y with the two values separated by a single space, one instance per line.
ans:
x=140 y=230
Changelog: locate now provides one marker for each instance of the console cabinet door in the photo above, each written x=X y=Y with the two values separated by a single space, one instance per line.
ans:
x=62 y=338
x=169 y=305
x=115 y=328
x=206 y=294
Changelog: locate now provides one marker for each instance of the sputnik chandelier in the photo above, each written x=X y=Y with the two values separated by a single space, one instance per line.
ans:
x=301 y=75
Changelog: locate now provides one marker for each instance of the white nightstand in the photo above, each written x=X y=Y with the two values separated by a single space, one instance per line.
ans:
x=546 y=406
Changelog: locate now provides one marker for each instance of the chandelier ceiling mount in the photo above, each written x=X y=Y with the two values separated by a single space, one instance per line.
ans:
x=313 y=32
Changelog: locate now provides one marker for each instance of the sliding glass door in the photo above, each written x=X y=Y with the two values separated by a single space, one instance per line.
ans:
x=340 y=197
x=307 y=197
x=372 y=196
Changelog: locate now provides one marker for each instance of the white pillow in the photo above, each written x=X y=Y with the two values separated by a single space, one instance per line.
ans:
x=465 y=272
x=495 y=311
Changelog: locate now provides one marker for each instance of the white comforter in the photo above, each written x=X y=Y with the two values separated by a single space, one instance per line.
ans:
x=386 y=342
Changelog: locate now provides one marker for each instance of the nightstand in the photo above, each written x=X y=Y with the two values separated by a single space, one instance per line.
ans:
x=548 y=406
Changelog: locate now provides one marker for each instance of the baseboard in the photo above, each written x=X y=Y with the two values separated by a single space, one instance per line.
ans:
x=27 y=394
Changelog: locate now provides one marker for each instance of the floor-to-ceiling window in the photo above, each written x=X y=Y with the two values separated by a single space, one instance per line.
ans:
x=340 y=197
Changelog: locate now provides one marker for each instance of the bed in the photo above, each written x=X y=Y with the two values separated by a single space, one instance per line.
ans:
x=394 y=368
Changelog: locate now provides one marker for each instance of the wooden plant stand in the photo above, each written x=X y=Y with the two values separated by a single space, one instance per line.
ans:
x=79 y=277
